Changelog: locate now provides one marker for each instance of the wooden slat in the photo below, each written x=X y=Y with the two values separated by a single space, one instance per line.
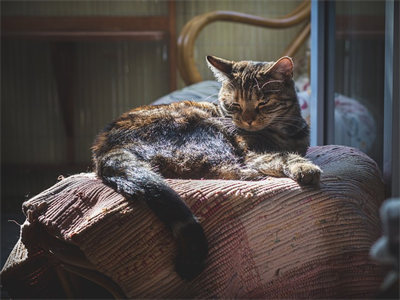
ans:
x=172 y=51
x=63 y=56
x=22 y=24
x=298 y=41
x=360 y=27
x=34 y=168
x=88 y=35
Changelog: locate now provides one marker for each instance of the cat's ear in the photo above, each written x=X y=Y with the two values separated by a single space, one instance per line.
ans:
x=282 y=68
x=221 y=68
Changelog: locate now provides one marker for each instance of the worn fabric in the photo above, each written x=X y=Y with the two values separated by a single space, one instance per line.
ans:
x=267 y=239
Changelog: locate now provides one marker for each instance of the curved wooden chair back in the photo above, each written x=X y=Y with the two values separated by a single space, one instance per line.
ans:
x=186 y=40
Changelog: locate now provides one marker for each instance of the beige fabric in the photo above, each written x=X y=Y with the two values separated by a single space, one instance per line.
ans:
x=267 y=239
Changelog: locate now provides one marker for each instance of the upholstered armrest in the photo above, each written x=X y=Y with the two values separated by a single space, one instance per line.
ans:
x=186 y=40
x=269 y=238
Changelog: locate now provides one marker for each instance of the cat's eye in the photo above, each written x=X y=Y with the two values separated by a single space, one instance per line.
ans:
x=233 y=107
x=262 y=104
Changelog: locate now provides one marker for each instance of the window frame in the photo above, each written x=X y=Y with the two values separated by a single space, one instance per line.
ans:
x=323 y=85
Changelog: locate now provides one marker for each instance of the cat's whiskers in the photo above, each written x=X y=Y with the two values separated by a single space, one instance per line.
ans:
x=229 y=84
x=258 y=86
x=227 y=124
x=286 y=118
x=210 y=96
x=292 y=125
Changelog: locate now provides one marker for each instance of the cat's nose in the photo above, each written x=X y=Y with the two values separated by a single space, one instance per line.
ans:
x=248 y=116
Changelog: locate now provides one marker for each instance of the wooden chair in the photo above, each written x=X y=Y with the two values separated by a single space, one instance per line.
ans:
x=186 y=40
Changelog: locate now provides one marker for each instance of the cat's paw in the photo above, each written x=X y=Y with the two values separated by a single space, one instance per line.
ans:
x=305 y=173
x=192 y=251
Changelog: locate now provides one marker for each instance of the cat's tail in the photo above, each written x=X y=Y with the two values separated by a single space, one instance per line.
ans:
x=135 y=179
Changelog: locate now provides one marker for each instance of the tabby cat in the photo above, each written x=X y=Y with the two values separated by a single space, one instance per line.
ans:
x=254 y=132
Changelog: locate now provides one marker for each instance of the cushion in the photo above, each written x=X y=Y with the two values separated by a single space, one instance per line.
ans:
x=202 y=91
x=267 y=239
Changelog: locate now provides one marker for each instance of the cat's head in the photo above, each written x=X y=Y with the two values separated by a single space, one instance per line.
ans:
x=256 y=95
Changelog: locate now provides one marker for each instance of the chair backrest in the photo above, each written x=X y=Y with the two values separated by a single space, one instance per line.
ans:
x=186 y=40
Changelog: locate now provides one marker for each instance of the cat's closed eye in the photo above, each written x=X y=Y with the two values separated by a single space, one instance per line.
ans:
x=233 y=107
x=268 y=105
x=262 y=104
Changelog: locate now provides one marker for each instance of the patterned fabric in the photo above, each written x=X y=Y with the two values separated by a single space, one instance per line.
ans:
x=201 y=91
x=354 y=124
x=269 y=238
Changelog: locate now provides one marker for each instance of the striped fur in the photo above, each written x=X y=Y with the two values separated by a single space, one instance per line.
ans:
x=255 y=131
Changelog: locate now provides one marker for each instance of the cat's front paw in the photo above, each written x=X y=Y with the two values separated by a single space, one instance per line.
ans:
x=192 y=251
x=305 y=173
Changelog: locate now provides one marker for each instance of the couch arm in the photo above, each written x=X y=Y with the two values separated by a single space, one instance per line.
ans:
x=267 y=239
x=186 y=40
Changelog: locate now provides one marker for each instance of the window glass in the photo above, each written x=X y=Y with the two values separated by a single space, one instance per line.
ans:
x=359 y=75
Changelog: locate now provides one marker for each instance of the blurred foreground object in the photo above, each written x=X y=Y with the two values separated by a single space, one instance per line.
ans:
x=386 y=249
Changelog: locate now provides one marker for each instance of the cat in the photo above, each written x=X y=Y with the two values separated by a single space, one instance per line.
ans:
x=254 y=132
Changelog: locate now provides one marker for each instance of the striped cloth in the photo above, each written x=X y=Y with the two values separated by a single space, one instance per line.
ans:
x=267 y=239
